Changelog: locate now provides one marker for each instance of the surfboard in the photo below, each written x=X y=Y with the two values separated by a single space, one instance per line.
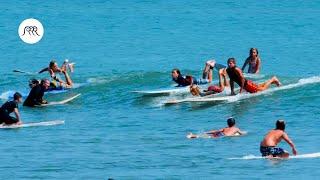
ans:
x=206 y=136
x=34 y=124
x=164 y=91
x=61 y=102
x=301 y=82
x=300 y=156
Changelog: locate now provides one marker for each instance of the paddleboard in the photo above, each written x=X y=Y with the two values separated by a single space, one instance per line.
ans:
x=300 y=156
x=61 y=102
x=34 y=124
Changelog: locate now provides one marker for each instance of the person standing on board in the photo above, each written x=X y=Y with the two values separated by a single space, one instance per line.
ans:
x=268 y=146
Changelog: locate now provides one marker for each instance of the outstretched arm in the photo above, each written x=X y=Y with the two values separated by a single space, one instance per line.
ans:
x=258 y=66
x=17 y=114
x=232 y=87
x=288 y=140
x=43 y=70
x=242 y=79
x=245 y=64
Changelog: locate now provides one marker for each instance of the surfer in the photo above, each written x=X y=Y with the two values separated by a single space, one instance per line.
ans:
x=235 y=75
x=195 y=90
x=268 y=145
x=254 y=62
x=231 y=130
x=53 y=69
x=189 y=80
x=36 y=94
x=9 y=107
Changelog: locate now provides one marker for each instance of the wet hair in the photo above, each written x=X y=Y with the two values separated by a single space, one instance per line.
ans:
x=176 y=70
x=252 y=50
x=232 y=60
x=33 y=81
x=231 y=121
x=51 y=64
x=16 y=96
x=280 y=125
x=43 y=81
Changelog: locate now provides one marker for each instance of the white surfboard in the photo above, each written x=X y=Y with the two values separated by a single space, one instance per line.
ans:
x=34 y=124
x=300 y=156
x=61 y=102
x=207 y=136
x=301 y=82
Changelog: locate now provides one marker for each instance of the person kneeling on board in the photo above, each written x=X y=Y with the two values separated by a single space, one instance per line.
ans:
x=231 y=130
x=195 y=90
x=189 y=80
x=235 y=75
x=36 y=94
x=9 y=107
x=272 y=139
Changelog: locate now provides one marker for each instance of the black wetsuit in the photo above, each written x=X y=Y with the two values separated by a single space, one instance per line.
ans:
x=181 y=81
x=35 y=96
x=5 y=111
x=233 y=75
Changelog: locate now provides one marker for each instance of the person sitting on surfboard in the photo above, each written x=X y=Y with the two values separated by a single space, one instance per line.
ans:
x=189 y=80
x=9 y=107
x=195 y=90
x=53 y=69
x=254 y=62
x=235 y=75
x=231 y=130
x=271 y=140
x=36 y=94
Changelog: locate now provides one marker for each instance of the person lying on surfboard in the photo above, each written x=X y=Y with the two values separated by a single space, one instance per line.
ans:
x=254 y=62
x=9 y=107
x=53 y=69
x=189 y=80
x=235 y=75
x=195 y=90
x=268 y=146
x=231 y=130
x=36 y=94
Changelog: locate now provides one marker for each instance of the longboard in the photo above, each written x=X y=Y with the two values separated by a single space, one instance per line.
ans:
x=185 y=89
x=300 y=156
x=61 y=102
x=43 y=123
x=207 y=136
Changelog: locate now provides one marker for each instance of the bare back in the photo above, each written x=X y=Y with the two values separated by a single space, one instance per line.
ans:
x=230 y=131
x=272 y=138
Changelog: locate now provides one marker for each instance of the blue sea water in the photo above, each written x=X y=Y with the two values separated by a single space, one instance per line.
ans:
x=122 y=46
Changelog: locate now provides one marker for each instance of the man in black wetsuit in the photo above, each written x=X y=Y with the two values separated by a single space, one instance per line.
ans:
x=9 y=107
x=35 y=96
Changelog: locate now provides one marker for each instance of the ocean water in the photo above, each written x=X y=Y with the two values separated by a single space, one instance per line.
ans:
x=122 y=46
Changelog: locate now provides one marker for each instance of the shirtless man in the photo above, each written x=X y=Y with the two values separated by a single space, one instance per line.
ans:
x=254 y=62
x=235 y=75
x=268 y=144
x=231 y=130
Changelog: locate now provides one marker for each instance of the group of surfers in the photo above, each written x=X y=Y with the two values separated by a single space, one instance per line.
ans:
x=38 y=88
x=268 y=146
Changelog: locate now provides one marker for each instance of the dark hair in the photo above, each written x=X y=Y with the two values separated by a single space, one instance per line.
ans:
x=176 y=70
x=232 y=60
x=16 y=96
x=280 y=125
x=231 y=121
x=43 y=81
x=52 y=63
x=252 y=50
x=34 y=81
